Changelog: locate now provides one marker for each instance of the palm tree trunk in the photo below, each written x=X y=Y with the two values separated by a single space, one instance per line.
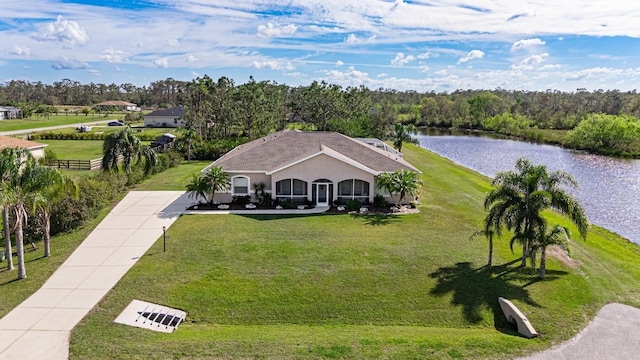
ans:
x=47 y=234
x=7 y=237
x=490 y=251
x=543 y=263
x=525 y=254
x=22 y=271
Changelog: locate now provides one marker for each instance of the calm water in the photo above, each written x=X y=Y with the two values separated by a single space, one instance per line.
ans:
x=609 y=188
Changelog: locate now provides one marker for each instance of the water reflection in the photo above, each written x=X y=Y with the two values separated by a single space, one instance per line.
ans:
x=609 y=188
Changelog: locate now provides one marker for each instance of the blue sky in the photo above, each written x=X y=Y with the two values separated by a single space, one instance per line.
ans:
x=421 y=45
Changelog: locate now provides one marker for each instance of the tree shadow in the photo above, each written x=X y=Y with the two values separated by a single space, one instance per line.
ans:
x=375 y=219
x=475 y=289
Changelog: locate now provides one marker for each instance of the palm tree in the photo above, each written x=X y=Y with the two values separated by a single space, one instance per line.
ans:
x=401 y=182
x=402 y=134
x=49 y=187
x=558 y=236
x=208 y=183
x=17 y=193
x=488 y=233
x=124 y=143
x=189 y=135
x=10 y=162
x=519 y=198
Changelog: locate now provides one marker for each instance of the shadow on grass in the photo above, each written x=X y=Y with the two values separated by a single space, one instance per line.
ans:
x=266 y=217
x=376 y=219
x=477 y=289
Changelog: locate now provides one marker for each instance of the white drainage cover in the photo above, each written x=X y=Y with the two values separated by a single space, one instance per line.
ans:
x=151 y=316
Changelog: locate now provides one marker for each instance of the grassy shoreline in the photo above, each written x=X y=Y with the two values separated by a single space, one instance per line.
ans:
x=337 y=286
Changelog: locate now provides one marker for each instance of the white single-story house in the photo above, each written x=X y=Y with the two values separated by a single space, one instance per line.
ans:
x=10 y=112
x=36 y=149
x=122 y=105
x=165 y=118
x=308 y=166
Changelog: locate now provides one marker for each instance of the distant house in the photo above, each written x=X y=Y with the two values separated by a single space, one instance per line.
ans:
x=10 y=112
x=165 y=118
x=36 y=149
x=316 y=167
x=121 y=105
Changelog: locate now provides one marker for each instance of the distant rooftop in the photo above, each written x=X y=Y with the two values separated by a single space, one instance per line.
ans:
x=174 y=111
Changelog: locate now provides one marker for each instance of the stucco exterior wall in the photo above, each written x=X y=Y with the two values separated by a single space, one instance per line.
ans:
x=324 y=167
x=158 y=121
x=37 y=153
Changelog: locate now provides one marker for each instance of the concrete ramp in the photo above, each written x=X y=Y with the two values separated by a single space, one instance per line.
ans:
x=515 y=316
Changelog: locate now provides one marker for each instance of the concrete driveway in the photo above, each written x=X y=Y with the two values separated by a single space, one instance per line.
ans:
x=39 y=328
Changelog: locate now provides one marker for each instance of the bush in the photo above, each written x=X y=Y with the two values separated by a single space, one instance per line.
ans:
x=379 y=201
x=353 y=205
x=241 y=200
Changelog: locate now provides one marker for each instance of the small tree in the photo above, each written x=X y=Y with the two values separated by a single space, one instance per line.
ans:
x=402 y=134
x=402 y=182
x=124 y=143
x=558 y=235
x=207 y=184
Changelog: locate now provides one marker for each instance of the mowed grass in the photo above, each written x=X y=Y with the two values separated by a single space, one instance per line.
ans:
x=53 y=120
x=357 y=287
x=173 y=178
x=75 y=149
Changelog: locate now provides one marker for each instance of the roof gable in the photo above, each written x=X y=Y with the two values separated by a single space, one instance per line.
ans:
x=331 y=153
x=16 y=143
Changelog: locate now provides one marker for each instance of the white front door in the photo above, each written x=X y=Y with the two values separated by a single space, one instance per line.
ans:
x=322 y=195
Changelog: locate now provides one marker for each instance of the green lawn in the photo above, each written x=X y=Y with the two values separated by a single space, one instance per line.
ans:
x=53 y=120
x=174 y=178
x=356 y=287
x=75 y=149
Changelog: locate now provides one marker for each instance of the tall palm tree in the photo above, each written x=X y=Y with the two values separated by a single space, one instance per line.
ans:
x=488 y=233
x=558 y=235
x=18 y=194
x=402 y=134
x=10 y=162
x=124 y=143
x=189 y=135
x=49 y=187
x=519 y=198
x=208 y=183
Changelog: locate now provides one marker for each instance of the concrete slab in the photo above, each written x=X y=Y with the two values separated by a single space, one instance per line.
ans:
x=68 y=277
x=157 y=223
x=107 y=237
x=8 y=337
x=82 y=299
x=122 y=222
x=88 y=256
x=144 y=237
x=140 y=210
x=104 y=277
x=39 y=345
x=126 y=256
x=60 y=319
x=46 y=298
x=22 y=318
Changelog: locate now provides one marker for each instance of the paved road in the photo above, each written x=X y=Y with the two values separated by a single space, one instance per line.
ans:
x=29 y=131
x=39 y=328
x=613 y=335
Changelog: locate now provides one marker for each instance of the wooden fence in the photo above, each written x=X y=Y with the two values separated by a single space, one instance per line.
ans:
x=94 y=164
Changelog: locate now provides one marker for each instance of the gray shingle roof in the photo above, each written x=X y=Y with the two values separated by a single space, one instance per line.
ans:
x=285 y=147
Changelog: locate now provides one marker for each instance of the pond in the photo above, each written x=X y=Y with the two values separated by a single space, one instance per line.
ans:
x=609 y=188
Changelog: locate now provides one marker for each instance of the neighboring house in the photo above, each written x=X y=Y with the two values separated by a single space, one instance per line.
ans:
x=122 y=105
x=316 y=167
x=36 y=149
x=3 y=113
x=165 y=118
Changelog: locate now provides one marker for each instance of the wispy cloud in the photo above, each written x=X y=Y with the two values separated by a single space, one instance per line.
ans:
x=271 y=30
x=473 y=54
x=526 y=43
x=69 y=64
x=401 y=59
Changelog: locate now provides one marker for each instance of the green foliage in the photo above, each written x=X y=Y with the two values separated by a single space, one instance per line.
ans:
x=241 y=200
x=206 y=184
x=507 y=124
x=262 y=197
x=607 y=134
x=401 y=182
x=379 y=201
x=123 y=146
x=353 y=204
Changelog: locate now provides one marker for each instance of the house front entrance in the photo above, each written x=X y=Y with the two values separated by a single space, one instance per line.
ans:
x=322 y=192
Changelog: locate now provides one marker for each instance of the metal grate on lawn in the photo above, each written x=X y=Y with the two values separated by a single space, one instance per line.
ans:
x=151 y=316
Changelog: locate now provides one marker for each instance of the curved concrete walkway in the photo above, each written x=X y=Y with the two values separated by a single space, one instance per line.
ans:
x=39 y=328
x=613 y=334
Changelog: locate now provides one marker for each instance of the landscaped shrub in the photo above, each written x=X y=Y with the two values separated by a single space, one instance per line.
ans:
x=379 y=201
x=288 y=204
x=241 y=200
x=353 y=204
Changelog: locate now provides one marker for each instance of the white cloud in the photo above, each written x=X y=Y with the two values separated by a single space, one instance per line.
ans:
x=424 y=56
x=64 y=31
x=526 y=43
x=530 y=62
x=195 y=74
x=21 y=50
x=191 y=58
x=424 y=68
x=601 y=72
x=64 y=63
x=94 y=72
x=473 y=54
x=353 y=39
x=339 y=63
x=172 y=42
x=551 y=67
x=442 y=72
x=111 y=55
x=161 y=63
x=401 y=59
x=271 y=30
x=272 y=65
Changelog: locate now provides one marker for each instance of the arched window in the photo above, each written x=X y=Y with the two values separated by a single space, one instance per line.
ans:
x=240 y=185
x=353 y=189
x=291 y=188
